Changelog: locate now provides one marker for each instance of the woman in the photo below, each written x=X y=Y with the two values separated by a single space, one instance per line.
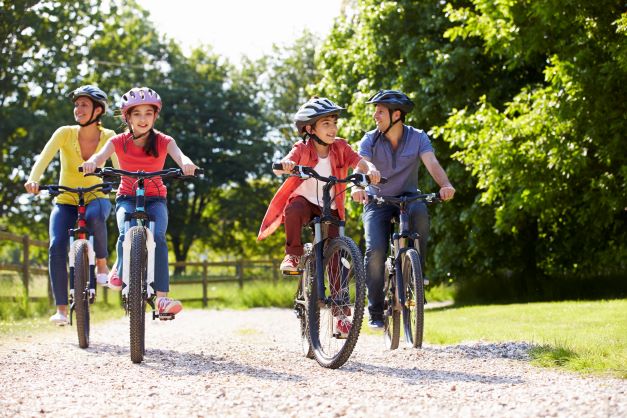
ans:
x=76 y=144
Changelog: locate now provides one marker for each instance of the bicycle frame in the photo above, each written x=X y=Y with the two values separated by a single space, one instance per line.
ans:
x=141 y=216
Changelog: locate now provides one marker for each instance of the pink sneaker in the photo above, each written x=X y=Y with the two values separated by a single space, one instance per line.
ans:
x=168 y=306
x=115 y=283
x=343 y=327
x=290 y=263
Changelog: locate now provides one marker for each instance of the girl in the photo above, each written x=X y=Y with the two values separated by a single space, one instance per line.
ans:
x=143 y=148
x=297 y=201
x=76 y=144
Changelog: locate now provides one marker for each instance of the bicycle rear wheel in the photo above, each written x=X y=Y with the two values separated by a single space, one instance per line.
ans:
x=414 y=307
x=136 y=292
x=302 y=296
x=81 y=291
x=391 y=315
x=335 y=321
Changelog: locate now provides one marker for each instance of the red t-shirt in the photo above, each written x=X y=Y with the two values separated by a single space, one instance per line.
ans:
x=134 y=158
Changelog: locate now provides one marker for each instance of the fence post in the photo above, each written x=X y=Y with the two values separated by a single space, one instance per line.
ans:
x=26 y=261
x=275 y=272
x=239 y=271
x=204 y=283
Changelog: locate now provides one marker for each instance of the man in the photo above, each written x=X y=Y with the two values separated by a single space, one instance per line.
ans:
x=396 y=150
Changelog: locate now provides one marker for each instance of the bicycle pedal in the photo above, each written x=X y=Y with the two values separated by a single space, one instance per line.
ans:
x=166 y=317
x=425 y=281
x=289 y=273
x=340 y=336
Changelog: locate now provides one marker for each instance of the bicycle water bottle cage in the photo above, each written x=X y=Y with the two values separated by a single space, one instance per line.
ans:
x=128 y=216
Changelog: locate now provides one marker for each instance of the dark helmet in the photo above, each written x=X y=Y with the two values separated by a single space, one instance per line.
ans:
x=393 y=100
x=94 y=93
x=314 y=109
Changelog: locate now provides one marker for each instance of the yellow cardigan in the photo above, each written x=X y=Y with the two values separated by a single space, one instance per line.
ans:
x=65 y=140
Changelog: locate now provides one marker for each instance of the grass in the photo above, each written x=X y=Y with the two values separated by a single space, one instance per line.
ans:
x=588 y=337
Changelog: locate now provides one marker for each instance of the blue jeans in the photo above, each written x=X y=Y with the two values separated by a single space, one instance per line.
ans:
x=157 y=209
x=62 y=218
x=377 y=227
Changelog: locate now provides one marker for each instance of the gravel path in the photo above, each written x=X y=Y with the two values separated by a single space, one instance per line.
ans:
x=247 y=363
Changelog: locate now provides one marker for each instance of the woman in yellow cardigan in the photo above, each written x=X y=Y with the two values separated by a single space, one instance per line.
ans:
x=76 y=144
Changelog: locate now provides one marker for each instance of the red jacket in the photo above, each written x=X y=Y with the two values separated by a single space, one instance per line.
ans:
x=342 y=158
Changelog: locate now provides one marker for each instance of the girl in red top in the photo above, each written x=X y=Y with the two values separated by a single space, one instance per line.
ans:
x=298 y=201
x=143 y=148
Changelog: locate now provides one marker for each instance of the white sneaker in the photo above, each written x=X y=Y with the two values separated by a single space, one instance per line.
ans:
x=59 y=319
x=102 y=278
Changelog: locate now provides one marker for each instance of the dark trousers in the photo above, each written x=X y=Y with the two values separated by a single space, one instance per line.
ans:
x=298 y=213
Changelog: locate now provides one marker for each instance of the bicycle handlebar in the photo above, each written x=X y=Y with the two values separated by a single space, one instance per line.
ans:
x=175 y=173
x=305 y=172
x=425 y=197
x=57 y=189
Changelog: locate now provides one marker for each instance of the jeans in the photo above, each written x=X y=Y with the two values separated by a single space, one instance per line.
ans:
x=157 y=209
x=377 y=227
x=62 y=218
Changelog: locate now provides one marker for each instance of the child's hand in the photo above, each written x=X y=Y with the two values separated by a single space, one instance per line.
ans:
x=189 y=169
x=89 y=167
x=288 y=165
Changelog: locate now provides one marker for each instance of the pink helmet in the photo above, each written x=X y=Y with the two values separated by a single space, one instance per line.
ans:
x=139 y=96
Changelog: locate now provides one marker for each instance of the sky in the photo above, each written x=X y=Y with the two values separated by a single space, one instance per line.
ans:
x=240 y=27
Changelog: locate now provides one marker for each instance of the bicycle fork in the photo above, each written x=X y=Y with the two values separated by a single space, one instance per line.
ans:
x=150 y=261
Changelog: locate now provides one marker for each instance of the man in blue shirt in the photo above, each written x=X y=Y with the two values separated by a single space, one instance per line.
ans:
x=396 y=150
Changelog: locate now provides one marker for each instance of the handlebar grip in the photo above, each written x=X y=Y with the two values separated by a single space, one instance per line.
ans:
x=98 y=170
x=277 y=166
x=383 y=180
x=199 y=171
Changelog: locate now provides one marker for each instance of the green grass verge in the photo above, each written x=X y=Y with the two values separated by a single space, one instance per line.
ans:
x=588 y=337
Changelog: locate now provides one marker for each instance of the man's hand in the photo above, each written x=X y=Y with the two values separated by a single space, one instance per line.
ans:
x=375 y=176
x=447 y=192
x=359 y=196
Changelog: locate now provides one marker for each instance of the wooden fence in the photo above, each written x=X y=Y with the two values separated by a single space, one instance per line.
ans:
x=240 y=270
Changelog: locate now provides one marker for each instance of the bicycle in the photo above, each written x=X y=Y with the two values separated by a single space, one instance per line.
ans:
x=329 y=323
x=404 y=282
x=82 y=260
x=138 y=270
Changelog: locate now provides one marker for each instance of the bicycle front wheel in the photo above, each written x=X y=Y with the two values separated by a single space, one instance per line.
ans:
x=391 y=314
x=302 y=296
x=336 y=309
x=414 y=307
x=136 y=292
x=81 y=291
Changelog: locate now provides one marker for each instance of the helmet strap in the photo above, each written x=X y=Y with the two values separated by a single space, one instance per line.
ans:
x=137 y=137
x=391 y=123
x=318 y=140
x=92 y=119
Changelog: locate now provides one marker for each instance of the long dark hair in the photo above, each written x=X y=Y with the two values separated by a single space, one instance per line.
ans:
x=150 y=147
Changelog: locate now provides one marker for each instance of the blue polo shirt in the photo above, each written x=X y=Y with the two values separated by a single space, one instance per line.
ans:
x=400 y=166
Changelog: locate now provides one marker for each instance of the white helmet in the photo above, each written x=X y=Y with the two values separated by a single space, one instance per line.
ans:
x=314 y=109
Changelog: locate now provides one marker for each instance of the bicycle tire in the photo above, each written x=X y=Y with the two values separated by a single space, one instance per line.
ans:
x=343 y=271
x=136 y=300
x=391 y=316
x=81 y=291
x=414 y=307
x=304 y=292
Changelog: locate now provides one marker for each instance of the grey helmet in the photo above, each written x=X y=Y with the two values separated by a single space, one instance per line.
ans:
x=97 y=96
x=314 y=109
x=93 y=92
x=393 y=100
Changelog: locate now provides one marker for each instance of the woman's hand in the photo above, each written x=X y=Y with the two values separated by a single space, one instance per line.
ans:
x=32 y=187
x=89 y=167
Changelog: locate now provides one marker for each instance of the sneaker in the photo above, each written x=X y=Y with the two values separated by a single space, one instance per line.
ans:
x=168 y=306
x=376 y=321
x=115 y=283
x=59 y=319
x=290 y=263
x=343 y=327
x=102 y=278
